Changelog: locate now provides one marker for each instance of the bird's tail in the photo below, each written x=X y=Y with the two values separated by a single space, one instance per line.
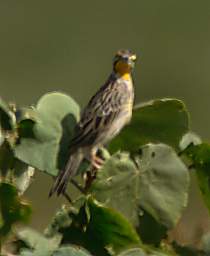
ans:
x=64 y=176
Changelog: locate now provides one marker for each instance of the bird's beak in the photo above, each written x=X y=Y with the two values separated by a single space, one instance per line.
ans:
x=133 y=57
x=131 y=61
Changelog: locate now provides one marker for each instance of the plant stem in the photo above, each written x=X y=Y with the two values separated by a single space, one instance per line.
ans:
x=79 y=187
x=68 y=198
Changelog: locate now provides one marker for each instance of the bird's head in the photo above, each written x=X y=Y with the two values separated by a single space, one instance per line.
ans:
x=124 y=62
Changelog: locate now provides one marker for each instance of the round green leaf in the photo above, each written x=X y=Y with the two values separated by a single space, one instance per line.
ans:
x=164 y=121
x=55 y=117
x=164 y=183
x=158 y=182
x=117 y=185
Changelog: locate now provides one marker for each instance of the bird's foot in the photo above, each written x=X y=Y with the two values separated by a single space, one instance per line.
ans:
x=97 y=162
x=90 y=176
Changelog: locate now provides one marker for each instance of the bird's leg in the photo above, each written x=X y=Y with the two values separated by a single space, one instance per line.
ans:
x=96 y=164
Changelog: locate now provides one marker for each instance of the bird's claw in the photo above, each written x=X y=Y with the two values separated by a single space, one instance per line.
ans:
x=97 y=162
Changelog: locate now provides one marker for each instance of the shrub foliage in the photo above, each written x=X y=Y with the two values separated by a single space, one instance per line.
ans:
x=128 y=207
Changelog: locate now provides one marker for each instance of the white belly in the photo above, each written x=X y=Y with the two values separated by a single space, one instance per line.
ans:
x=116 y=127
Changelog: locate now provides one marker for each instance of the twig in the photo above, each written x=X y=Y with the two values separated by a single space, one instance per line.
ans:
x=79 y=187
x=68 y=198
x=91 y=176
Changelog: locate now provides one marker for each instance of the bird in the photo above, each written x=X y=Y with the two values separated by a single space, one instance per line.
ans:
x=107 y=112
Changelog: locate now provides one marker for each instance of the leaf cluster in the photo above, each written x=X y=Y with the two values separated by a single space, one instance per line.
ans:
x=133 y=201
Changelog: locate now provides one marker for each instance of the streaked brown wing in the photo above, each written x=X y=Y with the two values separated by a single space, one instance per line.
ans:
x=100 y=113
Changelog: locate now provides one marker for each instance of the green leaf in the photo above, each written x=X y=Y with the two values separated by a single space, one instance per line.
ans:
x=61 y=219
x=7 y=117
x=70 y=251
x=71 y=223
x=133 y=252
x=26 y=119
x=74 y=235
x=164 y=183
x=99 y=229
x=187 y=251
x=38 y=244
x=45 y=139
x=13 y=209
x=157 y=121
x=205 y=243
x=150 y=231
x=189 y=138
x=117 y=185
x=200 y=157
x=62 y=251
x=145 y=252
x=26 y=252
x=158 y=182
x=6 y=158
x=114 y=230
x=22 y=175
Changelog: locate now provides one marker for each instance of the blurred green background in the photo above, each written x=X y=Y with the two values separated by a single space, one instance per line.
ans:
x=68 y=46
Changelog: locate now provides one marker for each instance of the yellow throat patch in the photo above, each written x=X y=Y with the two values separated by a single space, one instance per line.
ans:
x=123 y=69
